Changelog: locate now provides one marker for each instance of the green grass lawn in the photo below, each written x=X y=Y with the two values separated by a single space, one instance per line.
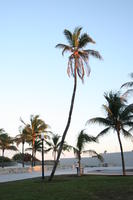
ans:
x=70 y=188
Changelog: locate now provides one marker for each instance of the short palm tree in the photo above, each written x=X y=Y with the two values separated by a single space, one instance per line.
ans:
x=37 y=147
x=82 y=140
x=35 y=128
x=77 y=61
x=23 y=137
x=6 y=143
x=118 y=117
x=54 y=144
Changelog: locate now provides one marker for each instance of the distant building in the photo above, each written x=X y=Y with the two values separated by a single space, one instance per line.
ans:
x=110 y=159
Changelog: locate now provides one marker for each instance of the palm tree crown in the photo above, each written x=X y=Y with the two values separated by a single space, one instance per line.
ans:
x=6 y=142
x=79 y=56
x=118 y=115
x=24 y=136
x=54 y=144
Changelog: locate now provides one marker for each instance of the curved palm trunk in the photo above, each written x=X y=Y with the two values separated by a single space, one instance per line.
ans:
x=122 y=155
x=67 y=126
x=22 y=154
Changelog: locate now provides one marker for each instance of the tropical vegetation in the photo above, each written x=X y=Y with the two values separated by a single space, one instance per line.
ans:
x=37 y=147
x=34 y=129
x=82 y=140
x=6 y=143
x=54 y=143
x=118 y=117
x=22 y=138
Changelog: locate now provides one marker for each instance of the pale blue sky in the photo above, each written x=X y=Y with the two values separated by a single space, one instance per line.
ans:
x=33 y=73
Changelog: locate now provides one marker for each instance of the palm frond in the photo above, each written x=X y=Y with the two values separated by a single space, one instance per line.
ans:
x=76 y=152
x=127 y=123
x=94 y=153
x=75 y=36
x=127 y=134
x=103 y=132
x=47 y=150
x=84 y=56
x=84 y=40
x=12 y=148
x=22 y=121
x=68 y=36
x=128 y=109
x=107 y=109
x=77 y=31
x=94 y=53
x=128 y=84
x=64 y=47
x=127 y=93
x=100 y=121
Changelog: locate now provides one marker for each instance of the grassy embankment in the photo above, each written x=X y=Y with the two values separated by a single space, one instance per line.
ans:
x=70 y=188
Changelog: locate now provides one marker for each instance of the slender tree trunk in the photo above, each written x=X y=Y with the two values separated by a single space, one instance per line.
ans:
x=79 y=167
x=33 y=143
x=22 y=154
x=122 y=155
x=54 y=156
x=32 y=156
x=2 y=158
x=67 y=126
x=35 y=158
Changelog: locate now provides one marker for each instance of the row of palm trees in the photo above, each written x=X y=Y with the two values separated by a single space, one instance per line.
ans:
x=52 y=141
x=118 y=117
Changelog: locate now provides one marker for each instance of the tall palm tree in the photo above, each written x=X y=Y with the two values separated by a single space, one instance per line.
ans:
x=23 y=137
x=77 y=61
x=35 y=128
x=82 y=140
x=54 y=144
x=118 y=117
x=6 y=143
